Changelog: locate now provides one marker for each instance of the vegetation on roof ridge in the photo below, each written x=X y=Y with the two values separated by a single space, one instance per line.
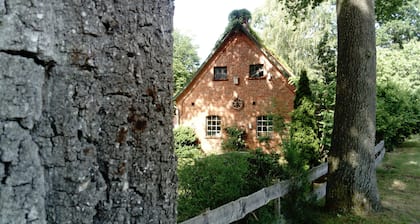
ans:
x=240 y=19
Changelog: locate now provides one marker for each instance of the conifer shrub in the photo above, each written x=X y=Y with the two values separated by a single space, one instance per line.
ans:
x=304 y=126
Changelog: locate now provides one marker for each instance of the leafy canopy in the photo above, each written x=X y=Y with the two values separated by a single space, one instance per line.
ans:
x=185 y=60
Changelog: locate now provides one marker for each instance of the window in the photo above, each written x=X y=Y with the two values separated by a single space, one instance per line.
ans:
x=264 y=125
x=256 y=71
x=220 y=73
x=213 y=126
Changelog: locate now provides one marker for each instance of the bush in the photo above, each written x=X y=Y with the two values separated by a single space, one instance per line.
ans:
x=398 y=114
x=303 y=132
x=210 y=182
x=304 y=126
x=186 y=143
x=264 y=170
x=298 y=206
x=218 y=179
x=235 y=140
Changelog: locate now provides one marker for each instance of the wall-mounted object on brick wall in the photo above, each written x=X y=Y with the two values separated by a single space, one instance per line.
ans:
x=237 y=103
x=236 y=80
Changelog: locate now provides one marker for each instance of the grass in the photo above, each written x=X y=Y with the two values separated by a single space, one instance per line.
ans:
x=399 y=187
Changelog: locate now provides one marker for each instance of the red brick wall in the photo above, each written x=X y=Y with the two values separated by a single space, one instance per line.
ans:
x=204 y=96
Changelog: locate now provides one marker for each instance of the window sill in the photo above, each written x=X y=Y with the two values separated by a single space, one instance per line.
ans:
x=214 y=137
x=256 y=78
x=220 y=79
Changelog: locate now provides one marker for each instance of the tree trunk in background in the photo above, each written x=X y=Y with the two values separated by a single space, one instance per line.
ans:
x=352 y=176
x=86 y=112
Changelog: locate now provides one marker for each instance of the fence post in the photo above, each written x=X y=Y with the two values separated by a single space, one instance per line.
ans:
x=277 y=207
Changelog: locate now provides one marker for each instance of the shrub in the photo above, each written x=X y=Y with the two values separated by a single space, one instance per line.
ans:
x=298 y=206
x=303 y=132
x=210 y=182
x=264 y=169
x=235 y=140
x=186 y=143
x=218 y=179
x=398 y=114
x=304 y=127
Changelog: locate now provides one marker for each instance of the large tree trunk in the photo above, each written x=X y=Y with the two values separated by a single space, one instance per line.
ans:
x=352 y=176
x=86 y=110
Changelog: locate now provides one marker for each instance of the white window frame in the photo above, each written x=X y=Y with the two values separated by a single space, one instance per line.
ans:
x=213 y=126
x=264 y=125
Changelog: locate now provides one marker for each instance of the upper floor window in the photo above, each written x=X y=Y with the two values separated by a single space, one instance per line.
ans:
x=220 y=73
x=213 y=125
x=264 y=125
x=256 y=71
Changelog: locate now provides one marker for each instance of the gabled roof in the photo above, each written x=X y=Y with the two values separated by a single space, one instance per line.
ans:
x=220 y=43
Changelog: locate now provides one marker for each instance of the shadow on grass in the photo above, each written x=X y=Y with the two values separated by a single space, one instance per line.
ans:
x=399 y=188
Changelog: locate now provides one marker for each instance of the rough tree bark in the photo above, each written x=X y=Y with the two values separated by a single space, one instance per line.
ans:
x=85 y=115
x=352 y=176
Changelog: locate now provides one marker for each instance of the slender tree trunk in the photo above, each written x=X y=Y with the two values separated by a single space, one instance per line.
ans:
x=352 y=176
x=86 y=112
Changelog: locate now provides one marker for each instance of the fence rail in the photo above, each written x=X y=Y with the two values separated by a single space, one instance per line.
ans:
x=238 y=209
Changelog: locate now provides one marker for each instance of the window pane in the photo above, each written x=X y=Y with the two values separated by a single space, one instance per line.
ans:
x=256 y=71
x=264 y=125
x=213 y=125
x=220 y=73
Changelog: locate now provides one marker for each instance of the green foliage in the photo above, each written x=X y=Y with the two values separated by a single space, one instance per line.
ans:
x=398 y=114
x=399 y=22
x=218 y=179
x=400 y=65
x=294 y=42
x=186 y=60
x=264 y=169
x=211 y=182
x=303 y=90
x=298 y=205
x=299 y=8
x=324 y=89
x=398 y=93
x=239 y=16
x=301 y=152
x=235 y=139
x=304 y=127
x=391 y=10
x=186 y=143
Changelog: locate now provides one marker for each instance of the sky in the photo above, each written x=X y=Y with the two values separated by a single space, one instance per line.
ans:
x=205 y=20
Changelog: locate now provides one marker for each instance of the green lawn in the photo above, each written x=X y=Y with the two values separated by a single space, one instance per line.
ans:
x=399 y=187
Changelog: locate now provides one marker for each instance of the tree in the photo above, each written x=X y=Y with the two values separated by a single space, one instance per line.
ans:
x=352 y=178
x=186 y=60
x=399 y=24
x=324 y=89
x=352 y=175
x=295 y=42
x=398 y=107
x=86 y=112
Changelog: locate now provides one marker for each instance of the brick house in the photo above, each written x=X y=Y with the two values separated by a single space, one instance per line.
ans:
x=239 y=84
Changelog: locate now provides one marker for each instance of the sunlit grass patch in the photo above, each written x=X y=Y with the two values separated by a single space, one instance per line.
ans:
x=399 y=187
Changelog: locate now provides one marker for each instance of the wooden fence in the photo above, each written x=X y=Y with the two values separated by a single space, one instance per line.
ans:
x=238 y=209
